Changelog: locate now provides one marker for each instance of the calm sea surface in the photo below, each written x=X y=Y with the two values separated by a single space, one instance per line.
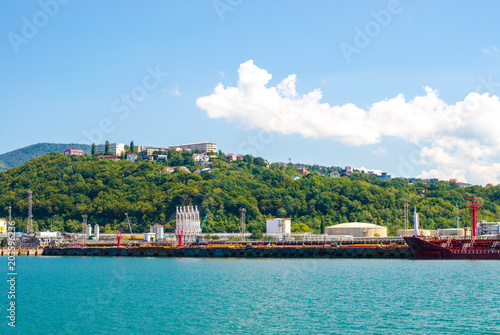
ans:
x=56 y=295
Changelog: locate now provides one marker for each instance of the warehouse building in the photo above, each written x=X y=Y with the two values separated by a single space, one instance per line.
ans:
x=357 y=229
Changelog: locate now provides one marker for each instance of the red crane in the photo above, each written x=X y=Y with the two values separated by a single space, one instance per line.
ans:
x=474 y=205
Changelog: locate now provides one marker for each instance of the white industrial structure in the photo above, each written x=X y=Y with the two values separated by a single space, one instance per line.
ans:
x=89 y=231
x=279 y=226
x=489 y=228
x=357 y=229
x=451 y=232
x=48 y=234
x=187 y=222
x=158 y=231
x=96 y=231
x=149 y=237
x=421 y=232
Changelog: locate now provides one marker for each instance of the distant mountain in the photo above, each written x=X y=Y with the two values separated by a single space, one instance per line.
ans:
x=21 y=156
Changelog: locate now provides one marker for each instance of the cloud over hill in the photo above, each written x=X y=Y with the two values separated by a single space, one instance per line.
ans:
x=461 y=140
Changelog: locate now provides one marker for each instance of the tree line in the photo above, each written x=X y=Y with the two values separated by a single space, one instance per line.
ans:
x=66 y=187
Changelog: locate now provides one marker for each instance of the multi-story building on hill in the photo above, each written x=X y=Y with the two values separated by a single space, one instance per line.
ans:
x=116 y=148
x=202 y=146
x=75 y=152
x=148 y=151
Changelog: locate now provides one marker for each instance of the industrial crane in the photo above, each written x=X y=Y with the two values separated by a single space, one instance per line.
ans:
x=204 y=220
x=199 y=237
x=130 y=227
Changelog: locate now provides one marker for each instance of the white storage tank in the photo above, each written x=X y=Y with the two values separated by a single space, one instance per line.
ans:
x=357 y=229
x=279 y=226
x=451 y=232
x=421 y=232
x=96 y=231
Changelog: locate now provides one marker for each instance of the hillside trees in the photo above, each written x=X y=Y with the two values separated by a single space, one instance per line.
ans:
x=64 y=188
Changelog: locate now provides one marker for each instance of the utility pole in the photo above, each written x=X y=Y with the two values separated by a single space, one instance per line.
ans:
x=242 y=219
x=457 y=218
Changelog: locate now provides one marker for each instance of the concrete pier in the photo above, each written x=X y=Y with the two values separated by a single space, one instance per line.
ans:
x=241 y=251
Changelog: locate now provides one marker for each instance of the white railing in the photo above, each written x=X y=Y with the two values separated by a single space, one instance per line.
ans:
x=476 y=252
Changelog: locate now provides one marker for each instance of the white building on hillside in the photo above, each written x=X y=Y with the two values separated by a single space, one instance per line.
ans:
x=201 y=158
x=116 y=148
x=202 y=146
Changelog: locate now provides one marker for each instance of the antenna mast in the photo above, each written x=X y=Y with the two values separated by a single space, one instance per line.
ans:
x=84 y=226
x=242 y=219
x=405 y=212
x=29 y=223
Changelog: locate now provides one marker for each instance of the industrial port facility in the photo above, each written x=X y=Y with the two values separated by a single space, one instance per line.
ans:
x=347 y=240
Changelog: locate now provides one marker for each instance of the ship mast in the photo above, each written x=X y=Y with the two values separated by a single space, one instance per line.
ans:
x=415 y=222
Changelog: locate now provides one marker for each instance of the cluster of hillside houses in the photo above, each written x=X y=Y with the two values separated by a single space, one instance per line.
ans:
x=206 y=148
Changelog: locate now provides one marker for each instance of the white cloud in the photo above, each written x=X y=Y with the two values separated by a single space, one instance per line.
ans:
x=379 y=151
x=491 y=51
x=366 y=170
x=325 y=80
x=174 y=91
x=460 y=139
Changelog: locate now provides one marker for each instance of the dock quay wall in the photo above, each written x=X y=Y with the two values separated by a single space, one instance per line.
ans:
x=250 y=252
x=21 y=252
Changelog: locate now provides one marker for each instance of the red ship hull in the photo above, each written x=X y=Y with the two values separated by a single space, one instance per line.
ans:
x=453 y=249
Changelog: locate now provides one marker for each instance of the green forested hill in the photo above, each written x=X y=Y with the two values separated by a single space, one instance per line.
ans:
x=64 y=188
x=21 y=156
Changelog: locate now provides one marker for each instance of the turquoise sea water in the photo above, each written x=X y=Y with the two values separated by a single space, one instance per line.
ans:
x=56 y=295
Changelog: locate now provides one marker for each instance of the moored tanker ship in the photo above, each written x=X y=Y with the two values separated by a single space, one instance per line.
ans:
x=464 y=248
x=454 y=248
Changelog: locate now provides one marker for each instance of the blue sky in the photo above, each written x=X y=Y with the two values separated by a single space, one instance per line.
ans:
x=69 y=75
